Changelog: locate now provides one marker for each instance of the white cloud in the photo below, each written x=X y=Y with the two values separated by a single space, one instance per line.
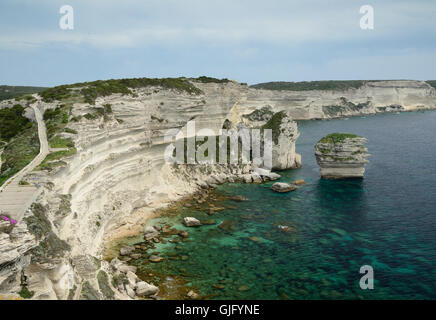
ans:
x=114 y=24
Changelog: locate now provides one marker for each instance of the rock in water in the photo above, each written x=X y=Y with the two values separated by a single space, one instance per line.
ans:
x=191 y=222
x=341 y=155
x=283 y=187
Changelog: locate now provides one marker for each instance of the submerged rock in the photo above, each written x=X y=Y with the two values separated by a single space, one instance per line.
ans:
x=155 y=259
x=283 y=187
x=226 y=225
x=341 y=155
x=237 y=198
x=183 y=234
x=243 y=288
x=299 y=182
x=208 y=222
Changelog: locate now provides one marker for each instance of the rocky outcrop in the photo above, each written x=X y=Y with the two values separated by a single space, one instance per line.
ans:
x=284 y=135
x=15 y=246
x=341 y=155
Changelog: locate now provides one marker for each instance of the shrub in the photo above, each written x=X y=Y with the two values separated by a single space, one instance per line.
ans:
x=69 y=130
x=204 y=79
x=25 y=293
x=12 y=122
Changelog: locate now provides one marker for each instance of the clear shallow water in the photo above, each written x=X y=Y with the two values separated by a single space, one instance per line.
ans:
x=387 y=220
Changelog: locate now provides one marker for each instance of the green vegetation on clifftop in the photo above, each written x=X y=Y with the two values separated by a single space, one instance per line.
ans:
x=312 y=85
x=204 y=79
x=100 y=88
x=338 y=137
x=9 y=92
x=274 y=124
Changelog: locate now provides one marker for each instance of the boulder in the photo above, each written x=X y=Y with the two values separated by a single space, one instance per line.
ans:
x=193 y=295
x=150 y=233
x=144 y=289
x=191 y=222
x=125 y=268
x=256 y=178
x=125 y=251
x=273 y=176
x=149 y=229
x=130 y=292
x=283 y=187
x=135 y=255
x=246 y=178
x=115 y=263
x=267 y=175
x=133 y=279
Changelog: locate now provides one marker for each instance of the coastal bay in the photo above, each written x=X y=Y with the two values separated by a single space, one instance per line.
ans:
x=385 y=220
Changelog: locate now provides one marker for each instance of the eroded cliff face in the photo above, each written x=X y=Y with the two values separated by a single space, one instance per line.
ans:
x=118 y=176
x=371 y=98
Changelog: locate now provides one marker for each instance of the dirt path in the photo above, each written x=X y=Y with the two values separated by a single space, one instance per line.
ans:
x=14 y=198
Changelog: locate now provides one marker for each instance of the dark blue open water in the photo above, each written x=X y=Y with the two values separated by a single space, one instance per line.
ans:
x=387 y=221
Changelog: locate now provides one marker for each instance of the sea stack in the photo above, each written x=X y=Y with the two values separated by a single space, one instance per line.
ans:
x=341 y=156
x=284 y=135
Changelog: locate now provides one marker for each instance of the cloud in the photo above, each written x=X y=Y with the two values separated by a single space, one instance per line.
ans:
x=111 y=24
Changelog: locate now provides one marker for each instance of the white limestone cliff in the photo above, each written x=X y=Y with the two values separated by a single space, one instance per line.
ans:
x=118 y=176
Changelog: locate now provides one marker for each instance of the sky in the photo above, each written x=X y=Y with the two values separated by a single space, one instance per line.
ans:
x=250 y=41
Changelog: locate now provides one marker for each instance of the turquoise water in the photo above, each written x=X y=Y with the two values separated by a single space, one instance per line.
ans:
x=387 y=221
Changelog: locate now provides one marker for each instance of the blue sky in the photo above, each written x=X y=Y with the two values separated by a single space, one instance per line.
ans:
x=247 y=40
